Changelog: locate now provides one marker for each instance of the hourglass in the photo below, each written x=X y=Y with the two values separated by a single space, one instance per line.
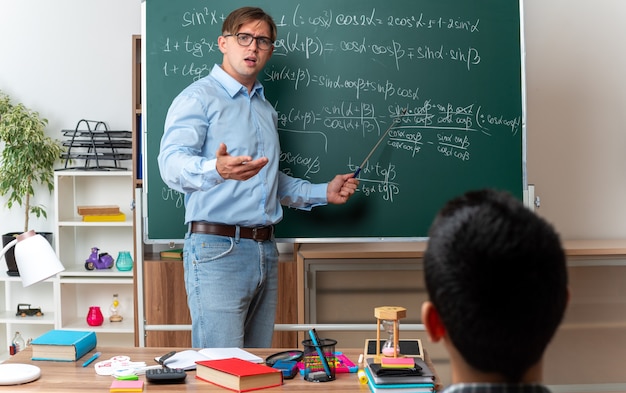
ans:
x=390 y=317
x=389 y=347
x=114 y=308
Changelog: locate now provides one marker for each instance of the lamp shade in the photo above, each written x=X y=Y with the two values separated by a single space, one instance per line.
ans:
x=36 y=260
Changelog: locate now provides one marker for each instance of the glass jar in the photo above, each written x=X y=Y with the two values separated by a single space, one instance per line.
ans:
x=18 y=342
x=124 y=261
x=94 y=316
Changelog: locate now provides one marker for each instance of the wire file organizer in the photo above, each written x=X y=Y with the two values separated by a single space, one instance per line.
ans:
x=96 y=146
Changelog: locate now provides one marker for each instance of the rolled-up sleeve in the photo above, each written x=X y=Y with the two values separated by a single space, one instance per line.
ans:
x=301 y=194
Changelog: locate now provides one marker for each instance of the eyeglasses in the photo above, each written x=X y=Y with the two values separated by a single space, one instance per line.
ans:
x=245 y=39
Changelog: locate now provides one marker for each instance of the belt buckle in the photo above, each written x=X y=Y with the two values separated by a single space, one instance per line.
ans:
x=254 y=233
x=257 y=232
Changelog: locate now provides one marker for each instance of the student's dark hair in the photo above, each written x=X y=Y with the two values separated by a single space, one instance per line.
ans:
x=496 y=273
x=243 y=15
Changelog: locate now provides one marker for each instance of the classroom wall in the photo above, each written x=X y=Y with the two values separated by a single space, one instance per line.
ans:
x=576 y=100
x=70 y=59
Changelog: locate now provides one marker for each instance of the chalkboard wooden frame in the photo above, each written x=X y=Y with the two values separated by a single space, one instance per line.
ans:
x=340 y=74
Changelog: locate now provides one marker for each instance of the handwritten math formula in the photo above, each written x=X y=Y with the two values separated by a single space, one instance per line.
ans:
x=445 y=78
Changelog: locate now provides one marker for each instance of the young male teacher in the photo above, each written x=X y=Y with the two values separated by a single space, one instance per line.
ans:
x=220 y=148
x=497 y=283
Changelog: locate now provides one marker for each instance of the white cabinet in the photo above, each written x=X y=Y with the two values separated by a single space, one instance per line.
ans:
x=76 y=288
x=66 y=298
x=39 y=295
x=74 y=237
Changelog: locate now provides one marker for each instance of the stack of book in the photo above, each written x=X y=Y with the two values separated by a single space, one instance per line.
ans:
x=101 y=213
x=176 y=254
x=395 y=378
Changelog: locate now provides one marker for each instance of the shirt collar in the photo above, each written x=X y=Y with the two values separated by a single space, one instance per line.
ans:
x=233 y=87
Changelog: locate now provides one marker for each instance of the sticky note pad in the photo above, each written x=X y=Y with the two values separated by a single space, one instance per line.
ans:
x=126 y=386
x=397 y=362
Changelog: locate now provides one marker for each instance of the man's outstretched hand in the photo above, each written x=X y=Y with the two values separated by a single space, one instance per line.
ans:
x=237 y=167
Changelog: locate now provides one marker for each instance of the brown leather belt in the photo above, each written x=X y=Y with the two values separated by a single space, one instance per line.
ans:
x=260 y=234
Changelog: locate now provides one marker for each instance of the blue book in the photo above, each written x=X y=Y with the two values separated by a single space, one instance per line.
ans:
x=63 y=345
x=398 y=387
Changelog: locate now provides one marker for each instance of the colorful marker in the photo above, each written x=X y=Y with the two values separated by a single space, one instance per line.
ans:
x=91 y=359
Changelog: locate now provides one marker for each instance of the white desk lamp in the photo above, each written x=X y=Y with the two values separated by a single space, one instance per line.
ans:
x=36 y=261
x=35 y=258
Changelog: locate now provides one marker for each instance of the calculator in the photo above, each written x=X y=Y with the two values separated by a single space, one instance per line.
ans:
x=166 y=375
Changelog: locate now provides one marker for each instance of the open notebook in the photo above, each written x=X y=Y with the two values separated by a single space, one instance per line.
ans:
x=187 y=359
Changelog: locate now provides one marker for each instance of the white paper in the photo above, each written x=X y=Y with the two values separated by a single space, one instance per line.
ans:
x=225 y=353
x=187 y=359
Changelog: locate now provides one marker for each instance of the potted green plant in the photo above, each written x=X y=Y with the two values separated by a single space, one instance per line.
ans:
x=27 y=160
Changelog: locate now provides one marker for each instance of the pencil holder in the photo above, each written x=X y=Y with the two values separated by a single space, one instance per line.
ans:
x=319 y=360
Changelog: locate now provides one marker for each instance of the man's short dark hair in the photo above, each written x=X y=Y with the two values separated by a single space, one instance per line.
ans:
x=243 y=15
x=496 y=273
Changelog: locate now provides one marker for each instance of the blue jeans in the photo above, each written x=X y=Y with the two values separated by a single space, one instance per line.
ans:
x=232 y=286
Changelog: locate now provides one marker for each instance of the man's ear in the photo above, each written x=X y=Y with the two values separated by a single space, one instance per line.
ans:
x=221 y=43
x=431 y=320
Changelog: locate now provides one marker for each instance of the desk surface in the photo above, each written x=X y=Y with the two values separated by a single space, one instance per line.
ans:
x=612 y=247
x=72 y=377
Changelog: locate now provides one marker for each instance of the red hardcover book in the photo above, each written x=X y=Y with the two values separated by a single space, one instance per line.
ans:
x=238 y=375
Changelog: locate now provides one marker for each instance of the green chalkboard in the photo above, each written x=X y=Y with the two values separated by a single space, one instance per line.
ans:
x=341 y=72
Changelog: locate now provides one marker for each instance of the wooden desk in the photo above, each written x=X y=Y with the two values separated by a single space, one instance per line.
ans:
x=595 y=248
x=72 y=377
x=415 y=250
x=326 y=251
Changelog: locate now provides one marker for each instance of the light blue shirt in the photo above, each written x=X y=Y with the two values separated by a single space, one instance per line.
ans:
x=218 y=109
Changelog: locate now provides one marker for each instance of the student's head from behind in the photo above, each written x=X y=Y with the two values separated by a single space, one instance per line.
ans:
x=497 y=283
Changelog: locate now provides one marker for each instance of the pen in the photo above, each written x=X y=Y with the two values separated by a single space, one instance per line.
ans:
x=91 y=359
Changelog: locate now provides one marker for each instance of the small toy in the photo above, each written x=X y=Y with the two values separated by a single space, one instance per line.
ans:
x=289 y=368
x=342 y=364
x=98 y=261
x=25 y=310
